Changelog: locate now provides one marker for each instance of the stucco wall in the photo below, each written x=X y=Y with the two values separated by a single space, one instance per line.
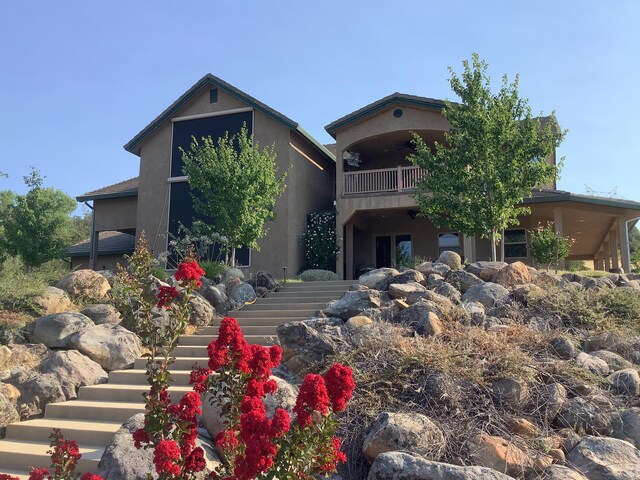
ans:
x=105 y=262
x=115 y=213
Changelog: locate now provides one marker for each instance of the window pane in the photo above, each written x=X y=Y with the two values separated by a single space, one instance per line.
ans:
x=515 y=250
x=449 y=240
x=515 y=236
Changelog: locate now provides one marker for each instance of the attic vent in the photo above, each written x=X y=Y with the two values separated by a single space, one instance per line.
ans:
x=213 y=95
x=397 y=112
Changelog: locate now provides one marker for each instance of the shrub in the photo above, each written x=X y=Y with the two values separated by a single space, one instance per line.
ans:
x=318 y=276
x=319 y=241
x=576 y=266
x=211 y=269
x=620 y=303
x=548 y=247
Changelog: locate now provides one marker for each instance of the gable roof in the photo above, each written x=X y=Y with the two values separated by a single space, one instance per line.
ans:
x=111 y=243
x=374 y=107
x=126 y=188
x=133 y=146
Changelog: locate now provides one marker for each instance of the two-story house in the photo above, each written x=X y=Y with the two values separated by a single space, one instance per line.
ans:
x=369 y=180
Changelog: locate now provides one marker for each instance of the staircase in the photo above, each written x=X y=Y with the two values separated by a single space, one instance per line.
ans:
x=100 y=410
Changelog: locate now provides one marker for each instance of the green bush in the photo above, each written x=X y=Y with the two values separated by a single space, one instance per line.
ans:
x=576 y=266
x=548 y=247
x=620 y=303
x=319 y=241
x=315 y=275
x=211 y=269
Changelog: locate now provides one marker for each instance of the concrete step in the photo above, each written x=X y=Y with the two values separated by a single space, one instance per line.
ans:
x=180 y=363
x=93 y=411
x=272 y=313
x=19 y=474
x=205 y=339
x=310 y=293
x=108 y=392
x=329 y=283
x=138 y=376
x=249 y=322
x=263 y=305
x=17 y=454
x=283 y=299
x=83 y=432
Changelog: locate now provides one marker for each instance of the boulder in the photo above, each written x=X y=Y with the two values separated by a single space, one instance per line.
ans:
x=121 y=459
x=615 y=361
x=378 y=276
x=85 y=284
x=102 y=313
x=217 y=298
x=510 y=392
x=240 y=294
x=357 y=322
x=558 y=472
x=462 y=280
x=592 y=416
x=284 y=397
x=36 y=390
x=303 y=345
x=202 y=312
x=443 y=392
x=563 y=347
x=597 y=283
x=626 y=425
x=433 y=268
x=592 y=364
x=55 y=330
x=450 y=259
x=353 y=303
x=603 y=341
x=553 y=397
x=73 y=371
x=545 y=279
x=488 y=294
x=408 y=276
x=111 y=346
x=404 y=466
x=447 y=290
x=26 y=355
x=429 y=326
x=499 y=454
x=232 y=275
x=265 y=280
x=53 y=300
x=485 y=270
x=418 y=313
x=473 y=307
x=524 y=428
x=603 y=458
x=9 y=392
x=414 y=433
x=625 y=382
x=8 y=412
x=522 y=293
x=5 y=356
x=410 y=292
x=516 y=273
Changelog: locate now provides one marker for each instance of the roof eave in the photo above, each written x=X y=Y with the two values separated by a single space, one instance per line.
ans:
x=316 y=143
x=572 y=197
x=105 y=196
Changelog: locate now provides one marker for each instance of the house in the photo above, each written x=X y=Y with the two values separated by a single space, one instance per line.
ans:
x=371 y=185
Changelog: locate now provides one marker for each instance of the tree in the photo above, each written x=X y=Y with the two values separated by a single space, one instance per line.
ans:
x=235 y=183
x=36 y=226
x=634 y=248
x=493 y=157
x=548 y=247
x=81 y=227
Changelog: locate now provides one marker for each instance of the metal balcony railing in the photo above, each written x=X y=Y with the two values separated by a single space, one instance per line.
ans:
x=396 y=179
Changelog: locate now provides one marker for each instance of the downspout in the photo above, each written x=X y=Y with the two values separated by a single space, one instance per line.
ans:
x=92 y=234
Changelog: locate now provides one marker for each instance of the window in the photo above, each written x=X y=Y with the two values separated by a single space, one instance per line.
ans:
x=515 y=243
x=404 y=251
x=448 y=241
x=213 y=95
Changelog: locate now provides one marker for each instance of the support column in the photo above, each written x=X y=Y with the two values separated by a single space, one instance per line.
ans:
x=624 y=245
x=597 y=261
x=606 y=252
x=557 y=221
x=613 y=243
x=340 y=255
x=93 y=259
x=469 y=248
x=348 y=243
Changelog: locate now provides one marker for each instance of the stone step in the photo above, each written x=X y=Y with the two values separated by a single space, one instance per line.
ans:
x=247 y=322
x=265 y=306
x=328 y=283
x=93 y=411
x=283 y=299
x=286 y=313
x=200 y=339
x=108 y=392
x=310 y=293
x=138 y=376
x=180 y=363
x=16 y=455
x=83 y=432
x=20 y=474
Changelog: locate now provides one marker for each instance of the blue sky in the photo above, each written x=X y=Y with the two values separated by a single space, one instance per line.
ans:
x=80 y=78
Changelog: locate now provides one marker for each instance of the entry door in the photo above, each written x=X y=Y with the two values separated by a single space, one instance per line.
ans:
x=383 y=251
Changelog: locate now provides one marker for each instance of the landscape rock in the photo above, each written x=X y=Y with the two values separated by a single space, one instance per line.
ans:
x=510 y=392
x=447 y=290
x=602 y=458
x=626 y=382
x=111 y=346
x=232 y=275
x=359 y=321
x=102 y=313
x=302 y=345
x=5 y=356
x=553 y=397
x=202 y=311
x=433 y=268
x=429 y=326
x=26 y=355
x=473 y=307
x=36 y=391
x=404 y=466
x=85 y=283
x=462 y=280
x=353 y=303
x=443 y=392
x=585 y=415
x=592 y=364
x=485 y=270
x=418 y=313
x=73 y=371
x=265 y=280
x=626 y=425
x=546 y=279
x=499 y=454
x=410 y=292
x=558 y=472
x=603 y=341
x=240 y=294
x=285 y=397
x=53 y=300
x=55 y=330
x=450 y=259
x=374 y=277
x=216 y=297
x=407 y=276
x=121 y=459
x=9 y=392
x=414 y=433
x=613 y=360
x=522 y=293
x=524 y=428
x=563 y=347
x=516 y=273
x=8 y=412
x=488 y=294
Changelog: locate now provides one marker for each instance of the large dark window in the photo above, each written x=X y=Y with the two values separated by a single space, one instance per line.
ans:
x=181 y=209
x=515 y=243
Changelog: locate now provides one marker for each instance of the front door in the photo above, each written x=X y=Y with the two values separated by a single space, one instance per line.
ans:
x=383 y=251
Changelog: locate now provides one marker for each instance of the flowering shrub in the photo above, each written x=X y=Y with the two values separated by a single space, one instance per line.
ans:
x=320 y=242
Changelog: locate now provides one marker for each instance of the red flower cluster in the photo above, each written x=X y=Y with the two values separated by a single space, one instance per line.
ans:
x=166 y=296
x=312 y=397
x=165 y=457
x=335 y=456
x=4 y=476
x=199 y=378
x=190 y=272
x=91 y=476
x=340 y=386
x=40 y=474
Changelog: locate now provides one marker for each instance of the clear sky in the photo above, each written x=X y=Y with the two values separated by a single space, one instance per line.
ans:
x=79 y=78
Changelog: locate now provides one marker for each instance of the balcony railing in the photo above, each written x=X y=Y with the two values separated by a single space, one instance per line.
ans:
x=397 y=179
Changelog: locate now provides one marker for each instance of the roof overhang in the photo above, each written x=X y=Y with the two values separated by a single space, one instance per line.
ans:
x=562 y=196
x=105 y=196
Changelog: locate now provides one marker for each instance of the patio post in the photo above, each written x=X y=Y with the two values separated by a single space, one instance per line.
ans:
x=624 y=244
x=613 y=242
x=606 y=251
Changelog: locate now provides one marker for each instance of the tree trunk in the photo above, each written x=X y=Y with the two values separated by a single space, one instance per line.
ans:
x=233 y=257
x=493 y=244
x=502 y=247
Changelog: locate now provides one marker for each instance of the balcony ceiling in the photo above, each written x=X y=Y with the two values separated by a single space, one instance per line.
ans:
x=393 y=143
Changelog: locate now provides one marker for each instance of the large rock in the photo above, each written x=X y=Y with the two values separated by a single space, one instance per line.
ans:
x=232 y=275
x=450 y=259
x=602 y=458
x=414 y=433
x=510 y=392
x=602 y=341
x=102 y=313
x=5 y=356
x=625 y=382
x=563 y=347
x=112 y=346
x=462 y=280
x=374 y=277
x=85 y=284
x=26 y=355
x=615 y=361
x=353 y=303
x=73 y=371
x=489 y=294
x=499 y=454
x=240 y=294
x=404 y=466
x=485 y=270
x=36 y=390
x=8 y=412
x=216 y=297
x=303 y=345
x=410 y=292
x=55 y=330
x=121 y=459
x=418 y=313
x=592 y=364
x=516 y=273
x=553 y=397
x=592 y=416
x=53 y=300
x=265 y=280
x=626 y=426
x=433 y=268
x=558 y=472
x=408 y=276
x=447 y=290
x=202 y=311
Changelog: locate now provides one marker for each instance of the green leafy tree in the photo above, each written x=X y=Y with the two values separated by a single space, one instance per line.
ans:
x=81 y=227
x=548 y=247
x=493 y=157
x=36 y=226
x=235 y=183
x=634 y=248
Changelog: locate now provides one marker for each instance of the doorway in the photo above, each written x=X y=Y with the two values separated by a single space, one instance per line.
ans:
x=383 y=251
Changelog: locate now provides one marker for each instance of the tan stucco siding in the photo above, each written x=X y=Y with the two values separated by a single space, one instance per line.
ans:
x=115 y=214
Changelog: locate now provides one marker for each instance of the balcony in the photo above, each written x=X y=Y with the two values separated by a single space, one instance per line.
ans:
x=396 y=179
